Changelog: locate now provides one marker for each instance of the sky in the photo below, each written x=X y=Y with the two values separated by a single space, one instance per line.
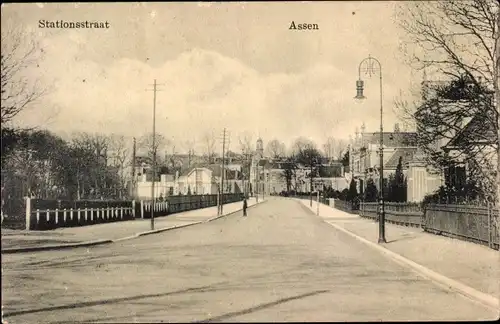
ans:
x=221 y=65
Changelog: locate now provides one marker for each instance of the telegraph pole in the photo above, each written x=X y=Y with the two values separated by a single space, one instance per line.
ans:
x=227 y=152
x=134 y=190
x=221 y=200
x=154 y=157
x=496 y=80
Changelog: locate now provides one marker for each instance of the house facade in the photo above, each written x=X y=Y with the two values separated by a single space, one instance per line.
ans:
x=364 y=155
x=204 y=180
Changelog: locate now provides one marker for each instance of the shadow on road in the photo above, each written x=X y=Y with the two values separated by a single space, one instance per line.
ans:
x=109 y=301
x=260 y=307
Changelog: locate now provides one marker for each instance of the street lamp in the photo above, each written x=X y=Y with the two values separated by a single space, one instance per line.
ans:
x=370 y=65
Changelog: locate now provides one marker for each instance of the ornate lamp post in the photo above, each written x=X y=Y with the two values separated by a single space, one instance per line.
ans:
x=370 y=66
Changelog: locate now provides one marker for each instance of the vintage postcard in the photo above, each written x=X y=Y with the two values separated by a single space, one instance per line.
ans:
x=250 y=161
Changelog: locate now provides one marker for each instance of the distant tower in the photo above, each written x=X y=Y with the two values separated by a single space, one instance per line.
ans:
x=363 y=129
x=260 y=148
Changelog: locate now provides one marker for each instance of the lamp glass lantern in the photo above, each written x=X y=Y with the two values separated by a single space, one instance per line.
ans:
x=360 y=85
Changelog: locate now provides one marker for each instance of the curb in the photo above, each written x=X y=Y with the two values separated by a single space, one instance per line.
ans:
x=449 y=283
x=437 y=278
x=443 y=281
x=231 y=213
x=158 y=231
x=55 y=247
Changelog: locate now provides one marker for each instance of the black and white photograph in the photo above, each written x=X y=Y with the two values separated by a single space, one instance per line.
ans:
x=274 y=161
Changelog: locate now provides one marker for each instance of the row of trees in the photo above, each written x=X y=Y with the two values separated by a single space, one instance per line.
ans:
x=42 y=164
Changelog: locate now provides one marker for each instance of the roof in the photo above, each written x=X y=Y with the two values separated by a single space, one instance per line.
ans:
x=216 y=171
x=478 y=130
x=406 y=153
x=391 y=139
x=330 y=171
x=168 y=177
x=139 y=160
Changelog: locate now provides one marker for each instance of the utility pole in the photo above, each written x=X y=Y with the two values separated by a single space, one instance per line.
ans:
x=257 y=176
x=496 y=76
x=228 y=159
x=134 y=190
x=154 y=157
x=221 y=201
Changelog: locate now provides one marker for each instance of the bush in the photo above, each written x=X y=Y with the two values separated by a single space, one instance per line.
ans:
x=371 y=192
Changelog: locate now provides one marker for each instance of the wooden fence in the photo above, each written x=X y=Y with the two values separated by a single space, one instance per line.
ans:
x=49 y=214
x=178 y=204
x=346 y=206
x=477 y=224
x=406 y=214
x=41 y=214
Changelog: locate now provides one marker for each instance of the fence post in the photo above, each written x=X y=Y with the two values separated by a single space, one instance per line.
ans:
x=489 y=225
x=317 y=203
x=28 y=213
x=133 y=208
x=64 y=216
x=57 y=215
x=142 y=209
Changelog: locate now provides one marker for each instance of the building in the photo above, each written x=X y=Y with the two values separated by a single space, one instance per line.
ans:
x=364 y=154
x=198 y=180
x=267 y=175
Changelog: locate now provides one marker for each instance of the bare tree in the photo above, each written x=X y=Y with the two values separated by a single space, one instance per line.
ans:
x=146 y=143
x=19 y=90
x=209 y=142
x=120 y=156
x=275 y=149
x=458 y=41
x=189 y=146
x=99 y=145
x=333 y=148
x=245 y=141
x=300 y=144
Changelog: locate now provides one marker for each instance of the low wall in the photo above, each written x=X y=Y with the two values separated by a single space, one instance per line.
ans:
x=50 y=214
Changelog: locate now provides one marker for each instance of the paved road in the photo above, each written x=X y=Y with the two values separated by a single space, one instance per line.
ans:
x=281 y=263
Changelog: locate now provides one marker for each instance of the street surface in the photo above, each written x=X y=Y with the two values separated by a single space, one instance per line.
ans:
x=281 y=263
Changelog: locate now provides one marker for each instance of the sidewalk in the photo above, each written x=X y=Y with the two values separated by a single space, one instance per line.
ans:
x=111 y=231
x=468 y=263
